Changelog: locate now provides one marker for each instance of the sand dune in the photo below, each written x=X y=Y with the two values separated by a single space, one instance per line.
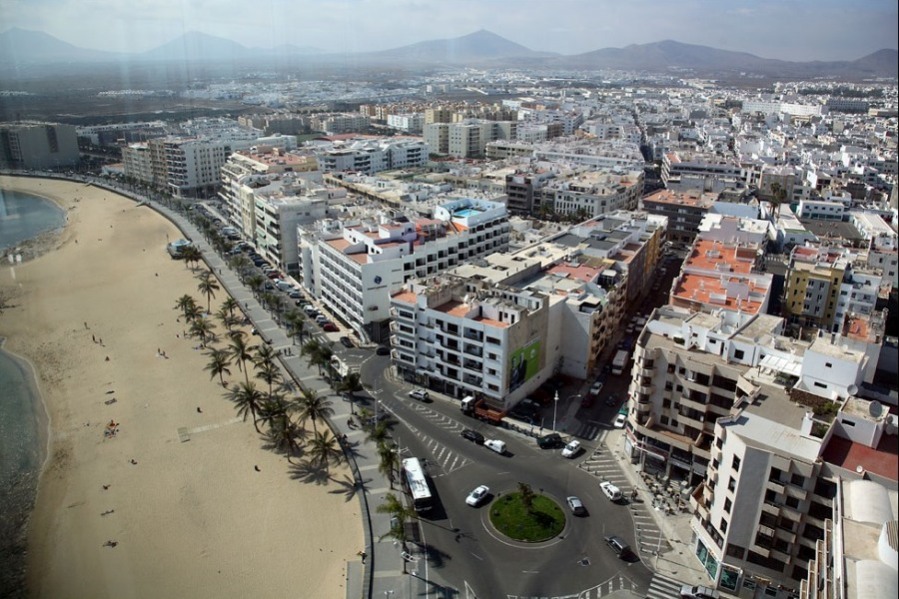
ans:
x=190 y=519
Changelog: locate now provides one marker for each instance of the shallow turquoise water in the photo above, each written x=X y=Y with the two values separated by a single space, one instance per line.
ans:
x=23 y=216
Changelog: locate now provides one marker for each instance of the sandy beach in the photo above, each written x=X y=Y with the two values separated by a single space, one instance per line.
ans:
x=189 y=518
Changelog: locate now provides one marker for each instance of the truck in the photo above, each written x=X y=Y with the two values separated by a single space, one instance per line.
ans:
x=478 y=408
x=496 y=445
x=620 y=361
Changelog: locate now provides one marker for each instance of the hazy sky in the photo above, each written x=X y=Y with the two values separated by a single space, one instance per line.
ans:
x=787 y=29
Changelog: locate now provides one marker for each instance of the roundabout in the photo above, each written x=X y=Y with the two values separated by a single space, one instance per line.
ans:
x=527 y=517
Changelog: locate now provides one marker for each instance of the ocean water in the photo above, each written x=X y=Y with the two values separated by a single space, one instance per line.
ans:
x=23 y=216
x=21 y=456
x=22 y=419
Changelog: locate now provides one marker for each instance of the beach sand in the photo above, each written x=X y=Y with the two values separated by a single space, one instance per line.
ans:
x=190 y=519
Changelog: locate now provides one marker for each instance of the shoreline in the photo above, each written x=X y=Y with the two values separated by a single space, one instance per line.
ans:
x=183 y=514
x=21 y=494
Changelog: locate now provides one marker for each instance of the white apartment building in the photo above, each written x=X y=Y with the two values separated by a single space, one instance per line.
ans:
x=882 y=245
x=569 y=120
x=280 y=209
x=256 y=168
x=587 y=274
x=370 y=156
x=137 y=162
x=725 y=401
x=682 y=171
x=469 y=338
x=333 y=124
x=354 y=266
x=573 y=152
x=592 y=193
x=408 y=122
x=469 y=137
x=38 y=145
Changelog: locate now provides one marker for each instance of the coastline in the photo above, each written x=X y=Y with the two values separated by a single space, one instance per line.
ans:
x=189 y=518
x=20 y=486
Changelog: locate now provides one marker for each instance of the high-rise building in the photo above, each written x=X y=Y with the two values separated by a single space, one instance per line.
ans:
x=38 y=146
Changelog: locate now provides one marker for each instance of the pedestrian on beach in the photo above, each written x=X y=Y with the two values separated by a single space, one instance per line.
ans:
x=257 y=468
x=85 y=325
x=107 y=358
x=94 y=338
x=133 y=462
x=199 y=411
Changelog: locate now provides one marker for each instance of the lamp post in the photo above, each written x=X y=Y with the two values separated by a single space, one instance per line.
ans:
x=555 y=408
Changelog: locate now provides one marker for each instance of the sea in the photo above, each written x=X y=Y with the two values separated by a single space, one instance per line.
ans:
x=22 y=416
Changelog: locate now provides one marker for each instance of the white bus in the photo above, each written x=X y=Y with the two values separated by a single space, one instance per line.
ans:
x=416 y=484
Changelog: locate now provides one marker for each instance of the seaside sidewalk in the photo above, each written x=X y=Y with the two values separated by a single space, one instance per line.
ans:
x=380 y=572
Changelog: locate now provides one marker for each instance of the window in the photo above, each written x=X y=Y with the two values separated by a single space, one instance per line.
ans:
x=727 y=505
x=731 y=484
x=797 y=480
x=723 y=526
x=735 y=464
x=738 y=354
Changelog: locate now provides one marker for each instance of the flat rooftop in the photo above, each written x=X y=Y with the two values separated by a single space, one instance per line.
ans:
x=882 y=460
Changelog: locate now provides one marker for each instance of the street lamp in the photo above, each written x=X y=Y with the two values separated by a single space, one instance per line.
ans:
x=555 y=408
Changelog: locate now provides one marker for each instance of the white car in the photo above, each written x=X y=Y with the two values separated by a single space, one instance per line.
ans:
x=596 y=388
x=475 y=498
x=620 y=419
x=571 y=450
x=610 y=491
x=419 y=394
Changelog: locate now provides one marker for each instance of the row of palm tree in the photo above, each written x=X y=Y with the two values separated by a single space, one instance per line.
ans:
x=278 y=411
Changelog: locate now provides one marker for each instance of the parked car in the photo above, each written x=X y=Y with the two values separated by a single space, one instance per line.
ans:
x=698 y=592
x=496 y=445
x=474 y=436
x=346 y=342
x=477 y=496
x=572 y=449
x=576 y=506
x=419 y=394
x=330 y=327
x=610 y=491
x=620 y=421
x=550 y=441
x=294 y=294
x=321 y=319
x=595 y=388
x=619 y=546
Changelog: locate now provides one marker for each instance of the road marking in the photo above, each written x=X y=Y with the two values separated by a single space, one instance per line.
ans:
x=477 y=556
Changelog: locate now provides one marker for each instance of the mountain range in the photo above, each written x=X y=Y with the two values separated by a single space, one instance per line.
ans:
x=21 y=49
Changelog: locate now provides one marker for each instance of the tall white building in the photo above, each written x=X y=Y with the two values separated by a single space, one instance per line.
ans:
x=756 y=425
x=354 y=266
x=38 y=145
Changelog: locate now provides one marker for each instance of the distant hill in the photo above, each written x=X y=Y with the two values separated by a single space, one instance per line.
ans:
x=27 y=47
x=197 y=47
x=479 y=46
x=20 y=48
x=666 y=55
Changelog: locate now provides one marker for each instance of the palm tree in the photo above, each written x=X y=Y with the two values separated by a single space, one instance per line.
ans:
x=400 y=514
x=313 y=406
x=203 y=328
x=193 y=312
x=255 y=283
x=527 y=496
x=184 y=303
x=313 y=349
x=240 y=264
x=230 y=305
x=277 y=305
x=240 y=353
x=227 y=319
x=350 y=385
x=296 y=324
x=389 y=462
x=323 y=449
x=208 y=286
x=218 y=364
x=248 y=400
x=191 y=254
x=282 y=434
x=268 y=370
x=379 y=433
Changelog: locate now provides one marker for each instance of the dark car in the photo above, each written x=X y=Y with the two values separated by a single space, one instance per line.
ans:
x=550 y=441
x=383 y=350
x=473 y=436
x=346 y=342
x=619 y=546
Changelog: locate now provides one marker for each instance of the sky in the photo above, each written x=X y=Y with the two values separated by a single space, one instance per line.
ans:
x=785 y=29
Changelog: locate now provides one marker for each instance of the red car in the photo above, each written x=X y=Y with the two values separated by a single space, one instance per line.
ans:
x=330 y=327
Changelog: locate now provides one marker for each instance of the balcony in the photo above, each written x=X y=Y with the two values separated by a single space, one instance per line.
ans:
x=473 y=350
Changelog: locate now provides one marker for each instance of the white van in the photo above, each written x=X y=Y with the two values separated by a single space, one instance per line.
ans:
x=496 y=445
